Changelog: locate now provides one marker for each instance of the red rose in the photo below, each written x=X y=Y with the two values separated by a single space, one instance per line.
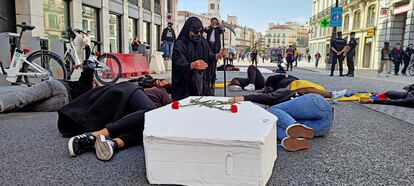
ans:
x=175 y=105
x=234 y=108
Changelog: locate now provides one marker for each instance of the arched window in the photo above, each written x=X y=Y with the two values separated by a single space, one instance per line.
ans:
x=371 y=16
x=346 y=22
x=357 y=20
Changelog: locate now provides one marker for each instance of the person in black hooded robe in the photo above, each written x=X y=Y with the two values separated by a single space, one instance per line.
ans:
x=193 y=62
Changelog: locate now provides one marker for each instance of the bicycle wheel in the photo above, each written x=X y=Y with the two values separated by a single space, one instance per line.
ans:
x=108 y=69
x=69 y=63
x=411 y=70
x=50 y=62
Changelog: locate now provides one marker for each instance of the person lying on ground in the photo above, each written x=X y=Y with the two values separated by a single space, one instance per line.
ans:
x=148 y=81
x=256 y=81
x=48 y=96
x=109 y=118
x=281 y=88
x=301 y=119
x=396 y=98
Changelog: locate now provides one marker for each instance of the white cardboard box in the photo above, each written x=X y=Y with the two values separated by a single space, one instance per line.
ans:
x=204 y=146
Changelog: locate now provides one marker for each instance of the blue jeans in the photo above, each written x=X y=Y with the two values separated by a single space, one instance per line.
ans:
x=311 y=110
x=167 y=49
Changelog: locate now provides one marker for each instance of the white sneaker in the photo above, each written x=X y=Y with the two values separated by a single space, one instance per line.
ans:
x=338 y=94
x=250 y=87
x=235 y=88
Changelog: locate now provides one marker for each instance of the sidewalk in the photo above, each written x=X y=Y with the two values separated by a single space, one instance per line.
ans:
x=371 y=74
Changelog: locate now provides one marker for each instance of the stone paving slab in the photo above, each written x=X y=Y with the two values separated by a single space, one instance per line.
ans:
x=401 y=113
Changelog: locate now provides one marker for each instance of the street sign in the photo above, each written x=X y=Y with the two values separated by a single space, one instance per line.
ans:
x=370 y=32
x=384 y=11
x=325 y=22
x=169 y=18
x=336 y=17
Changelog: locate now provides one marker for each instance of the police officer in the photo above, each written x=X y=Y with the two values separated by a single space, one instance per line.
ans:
x=351 y=54
x=338 y=49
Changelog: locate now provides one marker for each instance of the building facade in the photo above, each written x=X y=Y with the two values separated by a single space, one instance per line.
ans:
x=359 y=16
x=283 y=36
x=395 y=23
x=113 y=22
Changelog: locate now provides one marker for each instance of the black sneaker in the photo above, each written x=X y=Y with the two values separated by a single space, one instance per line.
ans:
x=81 y=143
x=105 y=148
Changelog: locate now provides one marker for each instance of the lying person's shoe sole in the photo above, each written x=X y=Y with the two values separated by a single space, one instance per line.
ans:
x=300 y=131
x=104 y=151
x=235 y=88
x=295 y=144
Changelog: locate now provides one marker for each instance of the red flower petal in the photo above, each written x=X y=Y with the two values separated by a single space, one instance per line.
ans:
x=175 y=105
x=234 y=108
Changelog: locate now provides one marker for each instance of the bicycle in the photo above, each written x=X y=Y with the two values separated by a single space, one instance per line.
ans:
x=103 y=73
x=27 y=69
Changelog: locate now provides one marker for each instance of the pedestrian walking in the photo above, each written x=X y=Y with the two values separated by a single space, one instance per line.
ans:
x=263 y=57
x=309 y=58
x=351 y=54
x=409 y=51
x=296 y=57
x=385 y=60
x=397 y=56
x=338 y=49
x=317 y=58
x=168 y=38
x=290 y=57
x=253 y=56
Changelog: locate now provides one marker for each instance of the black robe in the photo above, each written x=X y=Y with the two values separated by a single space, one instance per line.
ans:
x=187 y=82
x=95 y=109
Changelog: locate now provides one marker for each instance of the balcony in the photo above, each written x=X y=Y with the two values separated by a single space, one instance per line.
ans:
x=146 y=4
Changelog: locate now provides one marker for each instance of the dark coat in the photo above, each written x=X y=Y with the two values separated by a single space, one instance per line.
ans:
x=164 y=36
x=187 y=82
x=397 y=55
x=96 y=108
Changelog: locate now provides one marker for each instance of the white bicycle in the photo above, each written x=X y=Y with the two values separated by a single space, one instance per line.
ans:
x=39 y=66
x=107 y=67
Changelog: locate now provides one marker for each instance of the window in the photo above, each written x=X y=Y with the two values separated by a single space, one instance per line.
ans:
x=132 y=29
x=146 y=37
x=283 y=35
x=357 y=20
x=157 y=7
x=89 y=21
x=371 y=16
x=212 y=6
x=274 y=35
x=346 y=22
x=278 y=34
x=115 y=41
x=56 y=17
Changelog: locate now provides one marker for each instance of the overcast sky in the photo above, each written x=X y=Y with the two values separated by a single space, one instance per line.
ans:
x=256 y=13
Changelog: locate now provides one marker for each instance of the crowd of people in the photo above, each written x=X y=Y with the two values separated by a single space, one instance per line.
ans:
x=301 y=106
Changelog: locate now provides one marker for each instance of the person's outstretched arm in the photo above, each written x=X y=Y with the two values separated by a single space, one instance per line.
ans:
x=272 y=98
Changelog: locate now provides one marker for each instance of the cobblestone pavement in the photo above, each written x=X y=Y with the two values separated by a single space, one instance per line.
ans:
x=364 y=147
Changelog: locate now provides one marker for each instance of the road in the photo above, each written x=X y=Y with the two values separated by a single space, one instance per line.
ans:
x=364 y=147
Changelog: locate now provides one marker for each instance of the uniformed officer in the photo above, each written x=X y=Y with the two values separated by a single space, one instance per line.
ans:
x=351 y=54
x=338 y=49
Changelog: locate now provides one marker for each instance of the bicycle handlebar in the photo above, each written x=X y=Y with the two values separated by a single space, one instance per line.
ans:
x=3 y=18
x=79 y=31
